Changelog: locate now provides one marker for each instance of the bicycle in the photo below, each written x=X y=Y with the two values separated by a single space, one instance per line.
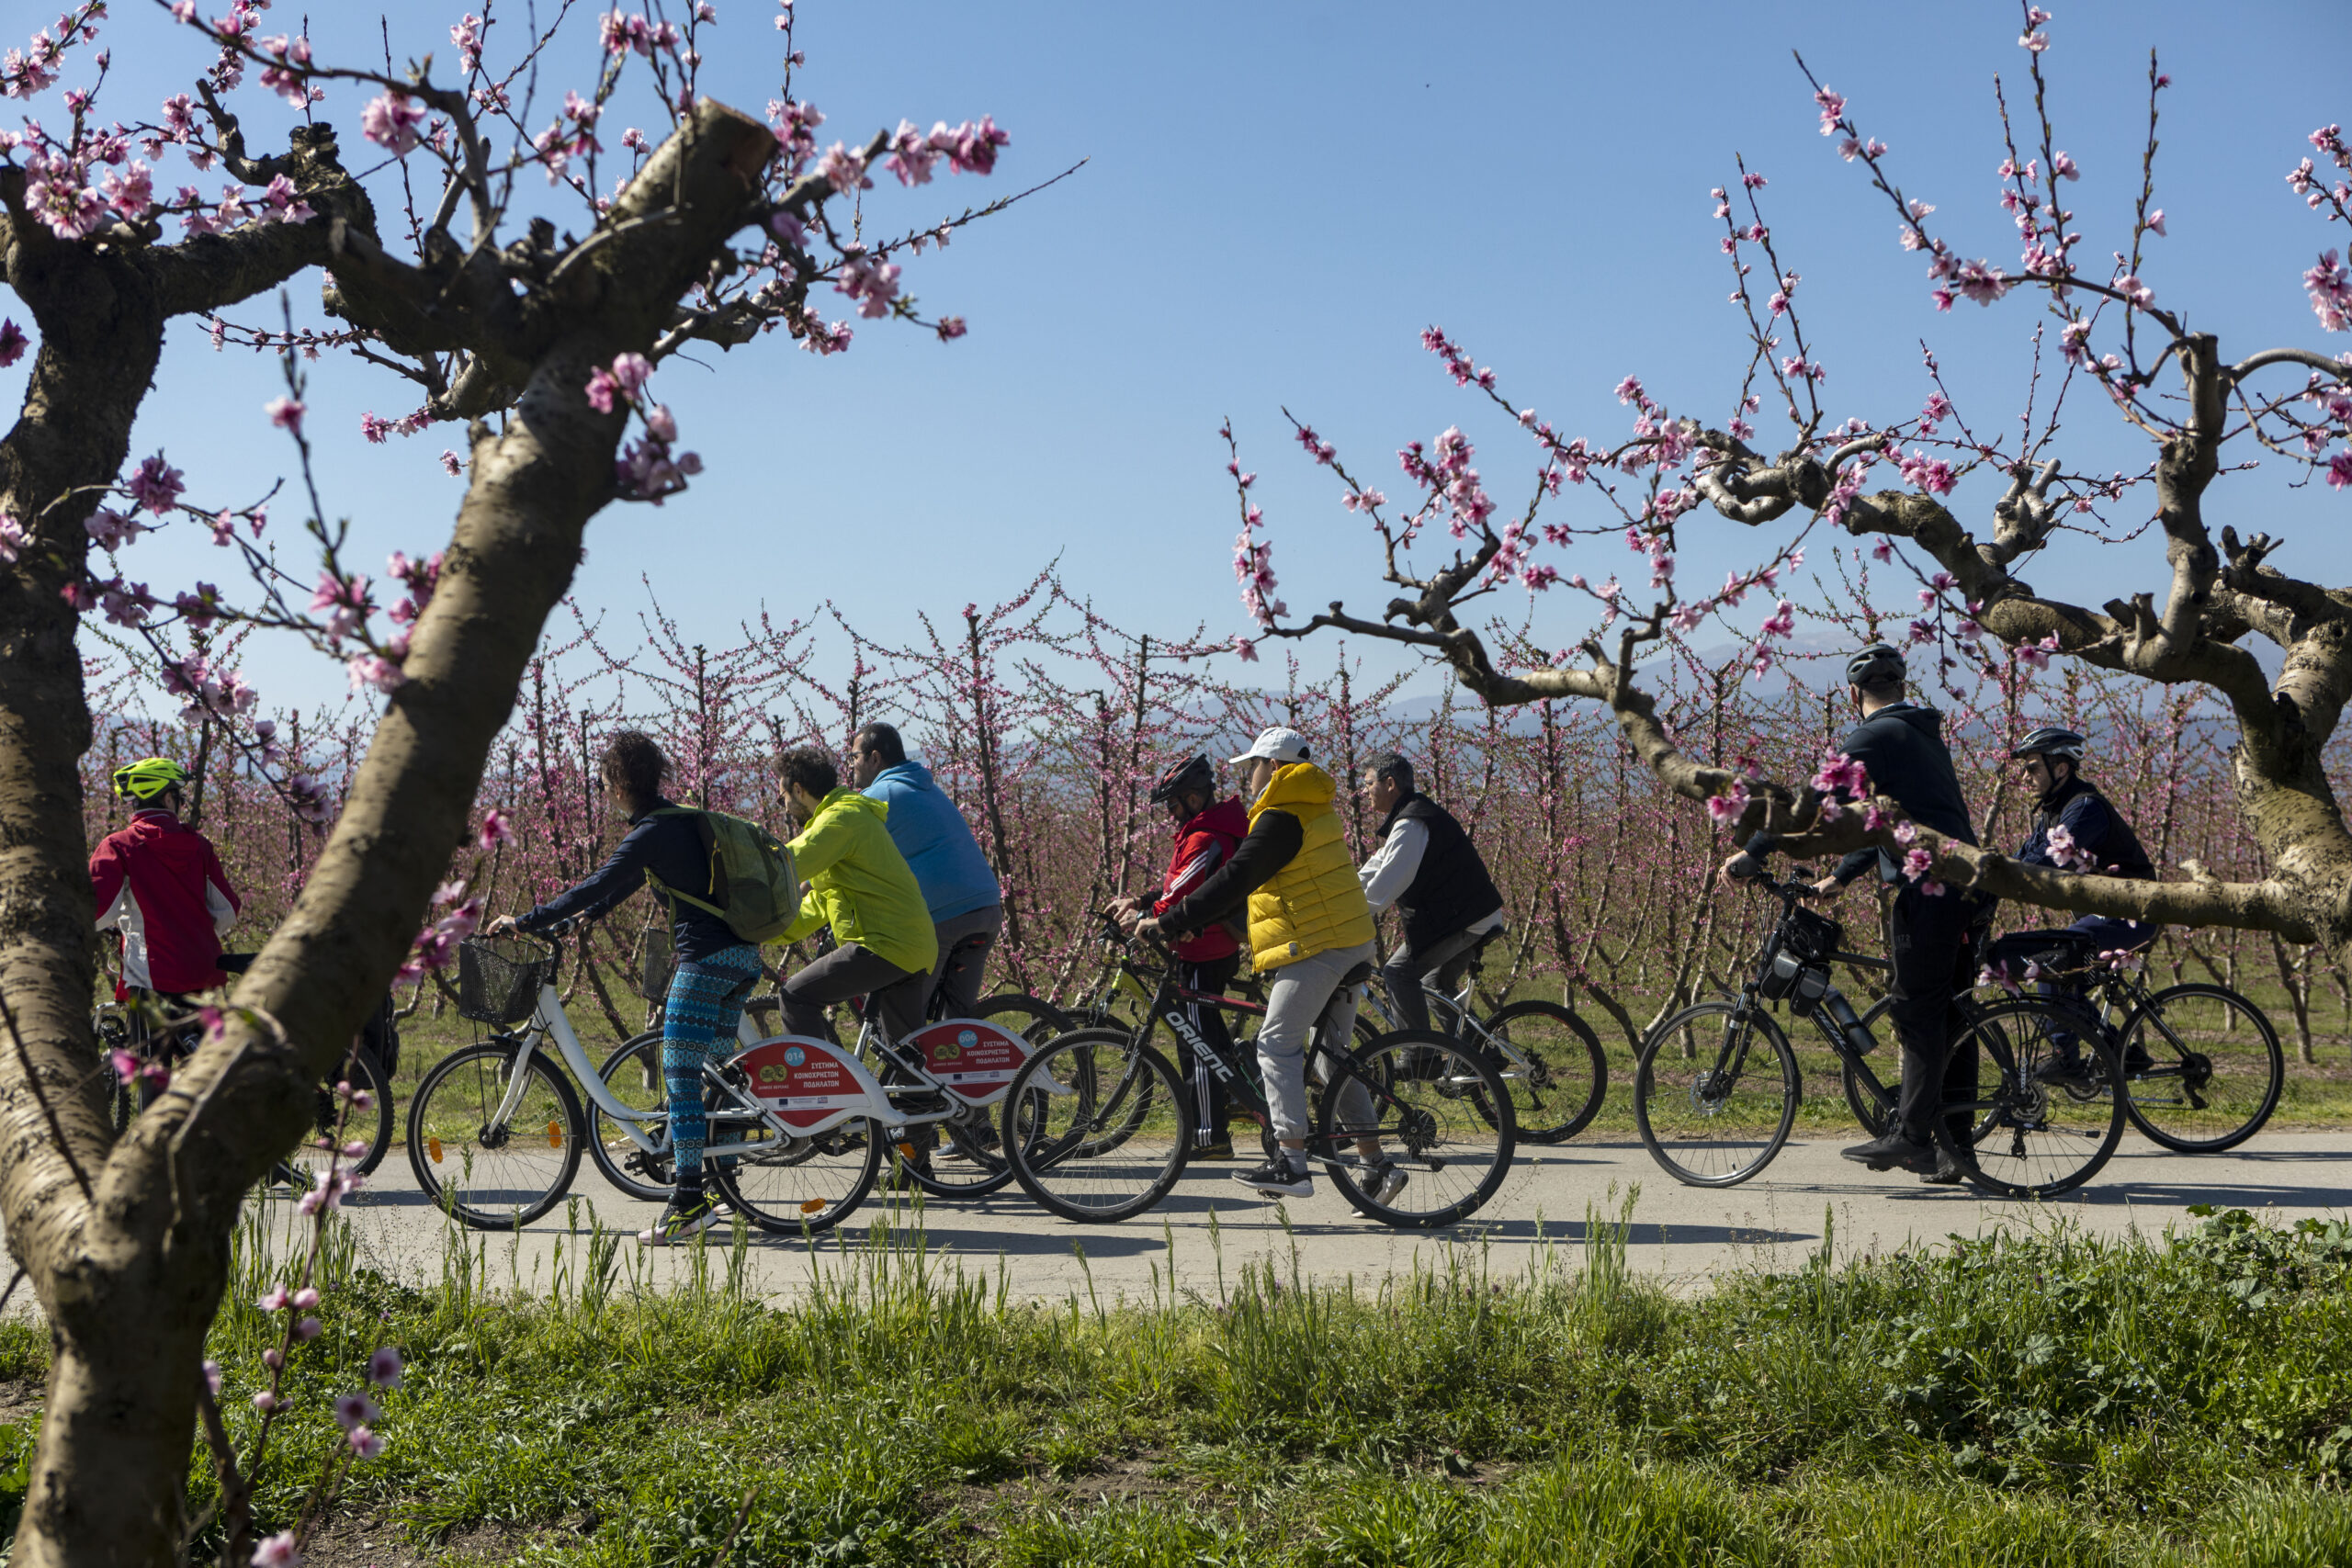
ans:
x=1098 y=1127
x=798 y=1125
x=167 y=1041
x=1713 y=1116
x=633 y=1074
x=2202 y=1066
x=1554 y=1064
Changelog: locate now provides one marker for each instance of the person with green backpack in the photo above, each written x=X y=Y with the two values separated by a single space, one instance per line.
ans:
x=730 y=886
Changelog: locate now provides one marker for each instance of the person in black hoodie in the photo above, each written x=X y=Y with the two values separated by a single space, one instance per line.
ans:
x=1933 y=929
x=2075 y=829
x=1427 y=867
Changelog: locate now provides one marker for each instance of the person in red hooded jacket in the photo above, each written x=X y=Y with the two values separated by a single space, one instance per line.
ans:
x=1207 y=829
x=159 y=882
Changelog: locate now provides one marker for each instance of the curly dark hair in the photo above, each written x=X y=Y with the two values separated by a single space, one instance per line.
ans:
x=634 y=767
x=808 y=768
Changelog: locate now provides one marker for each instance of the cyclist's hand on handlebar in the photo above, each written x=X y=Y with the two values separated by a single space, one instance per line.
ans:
x=1740 y=867
x=1827 y=887
x=503 y=926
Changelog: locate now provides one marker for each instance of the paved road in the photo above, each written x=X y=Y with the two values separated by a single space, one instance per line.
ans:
x=1210 y=1226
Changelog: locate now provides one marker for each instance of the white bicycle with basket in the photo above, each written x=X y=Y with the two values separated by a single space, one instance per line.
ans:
x=798 y=1126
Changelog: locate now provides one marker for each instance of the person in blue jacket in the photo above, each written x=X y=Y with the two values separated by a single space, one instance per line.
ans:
x=966 y=906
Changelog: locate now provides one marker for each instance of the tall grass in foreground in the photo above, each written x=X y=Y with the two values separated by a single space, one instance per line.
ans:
x=2041 y=1396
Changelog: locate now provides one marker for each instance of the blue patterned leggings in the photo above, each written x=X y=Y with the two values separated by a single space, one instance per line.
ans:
x=698 y=1019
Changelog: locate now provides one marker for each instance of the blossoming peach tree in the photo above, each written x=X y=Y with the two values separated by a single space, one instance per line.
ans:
x=708 y=226
x=2190 y=630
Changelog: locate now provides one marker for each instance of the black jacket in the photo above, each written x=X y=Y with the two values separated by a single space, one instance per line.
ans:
x=2098 y=828
x=674 y=849
x=1901 y=745
x=1451 y=887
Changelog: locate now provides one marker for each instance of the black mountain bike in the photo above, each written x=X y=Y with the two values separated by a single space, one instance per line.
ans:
x=1716 y=1088
x=1099 y=1126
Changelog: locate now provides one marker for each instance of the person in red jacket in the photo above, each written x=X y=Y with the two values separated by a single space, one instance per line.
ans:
x=1206 y=831
x=159 y=882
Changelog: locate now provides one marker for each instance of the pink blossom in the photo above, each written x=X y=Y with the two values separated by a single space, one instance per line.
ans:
x=14 y=539
x=450 y=464
x=496 y=829
x=2131 y=288
x=354 y=1410
x=1916 y=864
x=2329 y=286
x=156 y=485
x=371 y=671
x=365 y=1443
x=278 y=1551
x=13 y=344
x=844 y=168
x=2157 y=220
x=391 y=120
x=285 y=414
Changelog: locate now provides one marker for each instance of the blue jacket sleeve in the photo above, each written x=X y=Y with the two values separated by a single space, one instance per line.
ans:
x=607 y=889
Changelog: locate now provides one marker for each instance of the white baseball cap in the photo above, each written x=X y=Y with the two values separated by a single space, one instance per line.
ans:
x=1277 y=744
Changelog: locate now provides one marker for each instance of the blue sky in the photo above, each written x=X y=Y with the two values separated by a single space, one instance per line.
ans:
x=1278 y=198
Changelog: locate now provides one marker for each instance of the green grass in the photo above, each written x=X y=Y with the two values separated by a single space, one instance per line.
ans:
x=2037 y=1397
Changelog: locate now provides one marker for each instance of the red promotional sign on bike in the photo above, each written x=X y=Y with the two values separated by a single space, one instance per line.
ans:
x=810 y=1080
x=973 y=1059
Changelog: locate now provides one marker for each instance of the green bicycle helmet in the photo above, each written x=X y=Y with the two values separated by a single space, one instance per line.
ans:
x=149 y=777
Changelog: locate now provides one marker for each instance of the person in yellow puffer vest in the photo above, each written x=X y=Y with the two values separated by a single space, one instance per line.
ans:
x=1308 y=926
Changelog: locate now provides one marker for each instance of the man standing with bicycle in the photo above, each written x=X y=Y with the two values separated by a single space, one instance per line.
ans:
x=2075 y=829
x=1207 y=832
x=1427 y=867
x=1932 y=930
x=1309 y=927
x=966 y=906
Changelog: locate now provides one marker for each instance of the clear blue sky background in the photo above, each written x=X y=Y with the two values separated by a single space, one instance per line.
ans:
x=1280 y=197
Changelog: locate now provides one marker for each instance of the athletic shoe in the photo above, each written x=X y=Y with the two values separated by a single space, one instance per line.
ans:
x=1896 y=1150
x=1278 y=1178
x=2136 y=1060
x=1221 y=1149
x=2067 y=1067
x=1947 y=1172
x=686 y=1215
x=1385 y=1180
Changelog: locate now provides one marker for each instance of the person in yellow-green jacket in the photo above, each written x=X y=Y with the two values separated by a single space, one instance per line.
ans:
x=1308 y=926
x=861 y=886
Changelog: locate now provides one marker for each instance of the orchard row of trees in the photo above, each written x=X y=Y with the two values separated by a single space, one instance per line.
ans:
x=1047 y=725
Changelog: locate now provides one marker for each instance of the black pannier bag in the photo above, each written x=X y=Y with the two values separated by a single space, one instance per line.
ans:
x=1796 y=961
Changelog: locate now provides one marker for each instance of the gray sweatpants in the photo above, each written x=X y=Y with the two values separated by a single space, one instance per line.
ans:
x=1299 y=995
x=972 y=966
x=897 y=994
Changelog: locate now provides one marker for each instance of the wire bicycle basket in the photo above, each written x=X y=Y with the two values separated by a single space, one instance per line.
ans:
x=499 y=978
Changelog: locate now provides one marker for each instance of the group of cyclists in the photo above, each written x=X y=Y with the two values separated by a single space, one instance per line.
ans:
x=891 y=868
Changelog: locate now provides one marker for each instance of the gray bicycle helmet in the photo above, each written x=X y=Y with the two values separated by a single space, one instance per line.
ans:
x=1195 y=777
x=2050 y=740
x=1879 y=662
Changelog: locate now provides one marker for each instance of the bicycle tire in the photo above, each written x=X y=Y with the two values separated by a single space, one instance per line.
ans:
x=450 y=1117
x=1676 y=1107
x=2170 y=1103
x=1033 y=1018
x=1441 y=1113
x=373 y=1126
x=2047 y=1138
x=1060 y=1158
x=1866 y=1109
x=649 y=1177
x=811 y=1198
x=1562 y=1053
x=966 y=1161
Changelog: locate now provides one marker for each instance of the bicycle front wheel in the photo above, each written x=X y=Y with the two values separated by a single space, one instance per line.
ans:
x=1553 y=1066
x=1715 y=1091
x=488 y=1170
x=1442 y=1118
x=1096 y=1126
x=2203 y=1069
x=632 y=1075
x=2051 y=1132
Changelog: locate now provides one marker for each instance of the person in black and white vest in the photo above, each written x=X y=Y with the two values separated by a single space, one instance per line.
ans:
x=1427 y=867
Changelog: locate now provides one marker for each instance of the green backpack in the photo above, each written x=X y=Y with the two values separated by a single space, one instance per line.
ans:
x=753 y=887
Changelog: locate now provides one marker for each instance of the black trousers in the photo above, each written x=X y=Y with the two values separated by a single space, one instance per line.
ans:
x=1933 y=943
x=899 y=993
x=1212 y=974
x=1447 y=960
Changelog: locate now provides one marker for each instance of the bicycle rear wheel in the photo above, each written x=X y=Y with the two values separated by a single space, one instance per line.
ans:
x=1033 y=1018
x=1097 y=1126
x=371 y=1125
x=487 y=1171
x=2203 y=1069
x=1715 y=1092
x=792 y=1186
x=2048 y=1136
x=966 y=1160
x=1445 y=1121
x=1559 y=1089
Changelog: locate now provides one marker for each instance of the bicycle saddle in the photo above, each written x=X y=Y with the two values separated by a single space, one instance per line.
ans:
x=1357 y=975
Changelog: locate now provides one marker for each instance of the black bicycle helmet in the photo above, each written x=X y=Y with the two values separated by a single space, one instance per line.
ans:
x=2050 y=740
x=1195 y=777
x=1879 y=662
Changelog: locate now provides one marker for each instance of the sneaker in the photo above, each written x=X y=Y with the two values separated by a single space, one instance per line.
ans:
x=2137 y=1061
x=1221 y=1149
x=1385 y=1181
x=1278 y=1178
x=2066 y=1067
x=1896 y=1150
x=686 y=1215
x=1947 y=1172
